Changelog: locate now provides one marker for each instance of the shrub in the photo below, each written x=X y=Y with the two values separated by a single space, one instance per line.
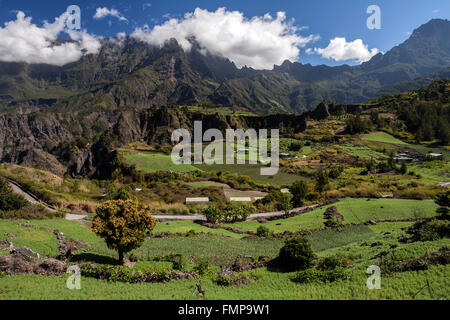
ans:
x=262 y=231
x=191 y=233
x=178 y=262
x=124 y=274
x=335 y=172
x=296 y=254
x=213 y=214
x=230 y=280
x=8 y=199
x=232 y=213
x=203 y=267
x=236 y=213
x=123 y=224
x=295 y=146
x=31 y=211
x=299 y=190
x=330 y=263
x=313 y=275
x=123 y=194
x=322 y=180
x=434 y=230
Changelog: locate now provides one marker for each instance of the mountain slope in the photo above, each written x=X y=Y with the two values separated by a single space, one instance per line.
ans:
x=129 y=74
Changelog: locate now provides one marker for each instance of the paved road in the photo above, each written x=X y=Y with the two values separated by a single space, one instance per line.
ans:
x=79 y=216
x=28 y=196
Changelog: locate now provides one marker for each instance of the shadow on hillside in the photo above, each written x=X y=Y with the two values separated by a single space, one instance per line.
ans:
x=275 y=266
x=92 y=257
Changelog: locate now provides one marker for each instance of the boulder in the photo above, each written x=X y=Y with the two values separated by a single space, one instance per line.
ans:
x=25 y=252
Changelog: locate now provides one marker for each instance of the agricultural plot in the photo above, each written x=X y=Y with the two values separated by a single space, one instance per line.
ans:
x=267 y=284
x=384 y=137
x=253 y=171
x=353 y=210
x=153 y=162
x=362 y=151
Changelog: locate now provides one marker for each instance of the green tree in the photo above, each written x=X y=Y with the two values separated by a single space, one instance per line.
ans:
x=8 y=199
x=443 y=201
x=296 y=254
x=299 y=190
x=123 y=224
x=403 y=168
x=322 y=180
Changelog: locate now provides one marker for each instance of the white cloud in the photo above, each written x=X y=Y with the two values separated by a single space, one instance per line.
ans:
x=23 y=41
x=340 y=50
x=146 y=5
x=101 y=13
x=259 y=42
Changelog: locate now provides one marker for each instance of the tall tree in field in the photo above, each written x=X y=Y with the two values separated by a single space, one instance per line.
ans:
x=123 y=224
x=322 y=180
x=299 y=190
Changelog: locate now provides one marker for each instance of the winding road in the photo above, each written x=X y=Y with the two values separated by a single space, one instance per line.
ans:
x=17 y=188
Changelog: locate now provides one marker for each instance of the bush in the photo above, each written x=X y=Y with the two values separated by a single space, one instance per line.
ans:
x=123 y=194
x=295 y=146
x=232 y=213
x=8 y=199
x=236 y=213
x=31 y=211
x=124 y=274
x=203 y=267
x=313 y=275
x=334 y=173
x=178 y=262
x=230 y=280
x=330 y=263
x=296 y=254
x=433 y=230
x=262 y=231
x=299 y=190
x=213 y=214
x=321 y=177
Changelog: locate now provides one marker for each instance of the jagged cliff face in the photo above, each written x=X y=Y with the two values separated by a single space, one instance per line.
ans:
x=24 y=138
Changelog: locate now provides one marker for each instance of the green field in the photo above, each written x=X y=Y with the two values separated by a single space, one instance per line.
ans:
x=205 y=184
x=353 y=210
x=153 y=162
x=267 y=284
x=253 y=171
x=362 y=152
x=384 y=137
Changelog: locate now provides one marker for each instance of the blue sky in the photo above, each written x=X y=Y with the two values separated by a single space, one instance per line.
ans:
x=327 y=18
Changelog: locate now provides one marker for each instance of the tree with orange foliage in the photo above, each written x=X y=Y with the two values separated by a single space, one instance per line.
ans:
x=123 y=224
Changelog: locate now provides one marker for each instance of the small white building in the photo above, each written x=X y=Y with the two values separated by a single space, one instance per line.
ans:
x=241 y=199
x=197 y=200
x=436 y=156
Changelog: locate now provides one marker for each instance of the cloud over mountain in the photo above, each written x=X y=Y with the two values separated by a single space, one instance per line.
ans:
x=340 y=50
x=23 y=41
x=104 y=12
x=259 y=42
